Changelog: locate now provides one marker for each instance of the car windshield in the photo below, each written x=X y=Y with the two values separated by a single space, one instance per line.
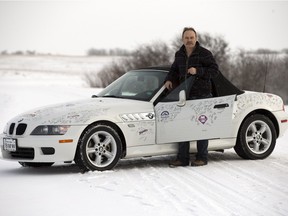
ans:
x=136 y=85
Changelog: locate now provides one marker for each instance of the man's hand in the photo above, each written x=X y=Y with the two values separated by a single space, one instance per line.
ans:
x=168 y=85
x=192 y=71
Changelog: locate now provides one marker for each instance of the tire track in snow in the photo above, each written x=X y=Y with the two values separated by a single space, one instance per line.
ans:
x=252 y=169
x=179 y=201
x=218 y=197
x=158 y=186
x=195 y=190
x=253 y=178
x=183 y=194
x=177 y=188
x=258 y=190
x=228 y=188
x=198 y=190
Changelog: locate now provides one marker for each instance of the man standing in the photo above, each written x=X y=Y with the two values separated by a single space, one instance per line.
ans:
x=192 y=60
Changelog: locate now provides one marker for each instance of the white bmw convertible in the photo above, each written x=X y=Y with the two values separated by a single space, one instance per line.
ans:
x=136 y=116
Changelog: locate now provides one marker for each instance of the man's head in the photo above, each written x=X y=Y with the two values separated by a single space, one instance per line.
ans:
x=189 y=37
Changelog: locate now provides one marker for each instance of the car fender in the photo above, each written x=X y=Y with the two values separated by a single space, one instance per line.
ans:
x=253 y=102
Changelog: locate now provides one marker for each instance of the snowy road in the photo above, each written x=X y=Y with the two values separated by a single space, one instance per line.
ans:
x=229 y=185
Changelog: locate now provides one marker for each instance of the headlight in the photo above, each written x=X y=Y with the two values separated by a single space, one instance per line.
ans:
x=50 y=130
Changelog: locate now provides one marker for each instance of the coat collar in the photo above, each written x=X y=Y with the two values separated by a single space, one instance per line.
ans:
x=196 y=50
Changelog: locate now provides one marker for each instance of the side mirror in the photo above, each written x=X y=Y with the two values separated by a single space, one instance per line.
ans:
x=182 y=98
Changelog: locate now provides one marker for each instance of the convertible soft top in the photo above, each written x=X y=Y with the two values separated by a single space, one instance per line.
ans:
x=221 y=85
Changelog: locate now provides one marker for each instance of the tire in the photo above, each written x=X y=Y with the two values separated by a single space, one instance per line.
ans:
x=256 y=138
x=99 y=148
x=33 y=164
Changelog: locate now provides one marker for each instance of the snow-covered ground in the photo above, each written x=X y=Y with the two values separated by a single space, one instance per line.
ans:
x=229 y=185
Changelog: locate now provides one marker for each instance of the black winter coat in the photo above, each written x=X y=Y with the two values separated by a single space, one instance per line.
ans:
x=205 y=64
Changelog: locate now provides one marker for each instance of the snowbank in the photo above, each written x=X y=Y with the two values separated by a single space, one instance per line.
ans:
x=229 y=185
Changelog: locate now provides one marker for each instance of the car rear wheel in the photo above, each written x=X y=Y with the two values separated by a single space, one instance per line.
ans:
x=256 y=138
x=99 y=148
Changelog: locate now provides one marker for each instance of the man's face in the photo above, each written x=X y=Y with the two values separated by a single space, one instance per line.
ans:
x=189 y=39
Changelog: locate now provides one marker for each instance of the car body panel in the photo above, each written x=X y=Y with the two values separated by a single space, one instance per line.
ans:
x=250 y=102
x=199 y=119
x=148 y=124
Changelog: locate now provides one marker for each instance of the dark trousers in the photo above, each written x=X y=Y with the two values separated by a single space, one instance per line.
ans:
x=202 y=151
x=202 y=145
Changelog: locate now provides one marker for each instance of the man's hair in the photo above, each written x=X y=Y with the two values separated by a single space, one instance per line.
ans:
x=188 y=29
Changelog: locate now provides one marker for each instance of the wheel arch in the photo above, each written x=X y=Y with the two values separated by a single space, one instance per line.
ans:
x=268 y=114
x=115 y=127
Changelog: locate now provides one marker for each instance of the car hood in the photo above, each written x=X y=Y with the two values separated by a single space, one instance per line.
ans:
x=76 y=112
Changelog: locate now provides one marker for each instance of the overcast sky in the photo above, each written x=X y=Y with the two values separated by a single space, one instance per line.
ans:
x=72 y=27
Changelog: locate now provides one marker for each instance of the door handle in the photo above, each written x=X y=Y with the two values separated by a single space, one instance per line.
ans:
x=220 y=106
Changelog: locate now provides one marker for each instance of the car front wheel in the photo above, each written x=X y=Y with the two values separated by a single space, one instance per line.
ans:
x=256 y=138
x=99 y=148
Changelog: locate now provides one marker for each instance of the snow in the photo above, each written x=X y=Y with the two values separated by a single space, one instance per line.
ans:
x=229 y=185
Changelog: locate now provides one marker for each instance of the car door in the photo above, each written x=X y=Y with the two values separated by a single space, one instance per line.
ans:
x=209 y=118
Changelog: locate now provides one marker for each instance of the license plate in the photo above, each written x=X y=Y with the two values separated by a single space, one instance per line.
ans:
x=9 y=144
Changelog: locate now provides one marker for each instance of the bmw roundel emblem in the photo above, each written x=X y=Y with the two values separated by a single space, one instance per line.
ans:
x=165 y=114
x=203 y=119
x=150 y=115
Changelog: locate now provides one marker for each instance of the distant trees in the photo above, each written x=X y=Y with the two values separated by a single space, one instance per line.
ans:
x=260 y=70
x=108 y=52
x=157 y=53
x=4 y=52
x=18 y=52
x=251 y=70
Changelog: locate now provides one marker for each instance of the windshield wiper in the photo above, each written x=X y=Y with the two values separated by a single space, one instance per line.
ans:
x=112 y=96
x=108 y=96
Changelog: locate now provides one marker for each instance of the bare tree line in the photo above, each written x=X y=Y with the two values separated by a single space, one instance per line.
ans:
x=261 y=70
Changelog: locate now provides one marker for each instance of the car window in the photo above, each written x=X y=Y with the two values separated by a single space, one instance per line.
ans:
x=138 y=85
x=174 y=94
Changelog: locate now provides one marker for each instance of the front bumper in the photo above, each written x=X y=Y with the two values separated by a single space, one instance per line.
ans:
x=58 y=148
